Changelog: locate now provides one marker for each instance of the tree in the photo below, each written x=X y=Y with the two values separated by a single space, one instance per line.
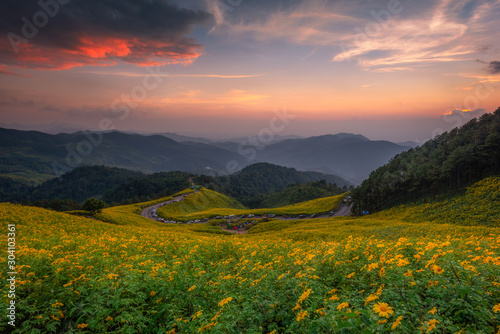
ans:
x=93 y=205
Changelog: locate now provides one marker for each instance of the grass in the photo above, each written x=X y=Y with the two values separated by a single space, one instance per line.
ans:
x=207 y=203
x=371 y=274
x=479 y=206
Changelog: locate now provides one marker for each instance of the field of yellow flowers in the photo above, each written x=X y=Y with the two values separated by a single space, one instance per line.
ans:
x=339 y=275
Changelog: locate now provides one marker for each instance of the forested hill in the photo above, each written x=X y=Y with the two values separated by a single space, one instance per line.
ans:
x=446 y=164
x=255 y=180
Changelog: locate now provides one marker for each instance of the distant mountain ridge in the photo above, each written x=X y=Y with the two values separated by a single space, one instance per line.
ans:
x=352 y=157
x=40 y=156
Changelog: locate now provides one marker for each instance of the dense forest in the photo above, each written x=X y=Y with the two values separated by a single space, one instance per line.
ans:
x=148 y=187
x=444 y=165
x=256 y=185
x=250 y=184
x=295 y=193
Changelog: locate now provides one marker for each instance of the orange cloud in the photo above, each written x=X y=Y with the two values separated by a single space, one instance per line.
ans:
x=104 y=51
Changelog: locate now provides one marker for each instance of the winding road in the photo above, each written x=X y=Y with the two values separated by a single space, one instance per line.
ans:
x=343 y=210
x=148 y=212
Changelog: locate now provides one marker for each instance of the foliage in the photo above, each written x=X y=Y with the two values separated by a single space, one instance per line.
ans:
x=93 y=205
x=82 y=183
x=56 y=204
x=148 y=187
x=296 y=193
x=447 y=163
x=339 y=275
x=249 y=184
x=480 y=205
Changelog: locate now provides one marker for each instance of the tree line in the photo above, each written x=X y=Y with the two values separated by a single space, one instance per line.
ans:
x=444 y=165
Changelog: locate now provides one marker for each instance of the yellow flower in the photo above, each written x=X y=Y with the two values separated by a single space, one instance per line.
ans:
x=192 y=288
x=437 y=269
x=432 y=324
x=304 y=296
x=433 y=311
x=372 y=266
x=342 y=306
x=82 y=326
x=381 y=322
x=408 y=273
x=108 y=318
x=302 y=315
x=225 y=301
x=383 y=309
x=152 y=293
x=496 y=308
x=397 y=322
x=350 y=275
x=334 y=298
x=371 y=298
x=57 y=304
x=403 y=262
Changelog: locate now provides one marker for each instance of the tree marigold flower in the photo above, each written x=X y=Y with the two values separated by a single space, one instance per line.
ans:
x=432 y=324
x=302 y=315
x=82 y=326
x=225 y=301
x=496 y=308
x=383 y=309
x=397 y=322
x=437 y=269
x=192 y=288
x=350 y=275
x=371 y=298
x=342 y=306
x=304 y=296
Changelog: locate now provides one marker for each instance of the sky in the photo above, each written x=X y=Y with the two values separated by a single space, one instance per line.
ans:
x=387 y=69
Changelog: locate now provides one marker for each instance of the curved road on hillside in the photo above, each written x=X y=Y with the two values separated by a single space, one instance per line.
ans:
x=147 y=212
x=343 y=210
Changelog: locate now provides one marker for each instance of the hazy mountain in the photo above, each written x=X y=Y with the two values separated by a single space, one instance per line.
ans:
x=39 y=156
x=350 y=156
x=53 y=128
x=243 y=140
x=181 y=138
x=35 y=154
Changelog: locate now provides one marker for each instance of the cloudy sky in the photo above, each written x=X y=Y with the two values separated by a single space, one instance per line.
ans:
x=388 y=69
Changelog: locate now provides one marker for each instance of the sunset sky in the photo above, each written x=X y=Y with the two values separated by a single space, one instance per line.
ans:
x=388 y=69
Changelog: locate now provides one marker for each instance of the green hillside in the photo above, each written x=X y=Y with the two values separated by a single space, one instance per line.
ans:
x=480 y=205
x=200 y=201
x=391 y=272
x=207 y=203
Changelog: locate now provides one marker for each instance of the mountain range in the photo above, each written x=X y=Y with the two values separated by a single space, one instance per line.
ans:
x=37 y=156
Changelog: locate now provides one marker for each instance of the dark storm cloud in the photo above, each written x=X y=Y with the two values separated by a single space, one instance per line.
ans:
x=494 y=67
x=63 y=34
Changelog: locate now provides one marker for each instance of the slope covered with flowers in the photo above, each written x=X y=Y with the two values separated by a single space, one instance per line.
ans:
x=339 y=275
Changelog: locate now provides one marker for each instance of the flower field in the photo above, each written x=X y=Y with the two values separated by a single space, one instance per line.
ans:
x=376 y=274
